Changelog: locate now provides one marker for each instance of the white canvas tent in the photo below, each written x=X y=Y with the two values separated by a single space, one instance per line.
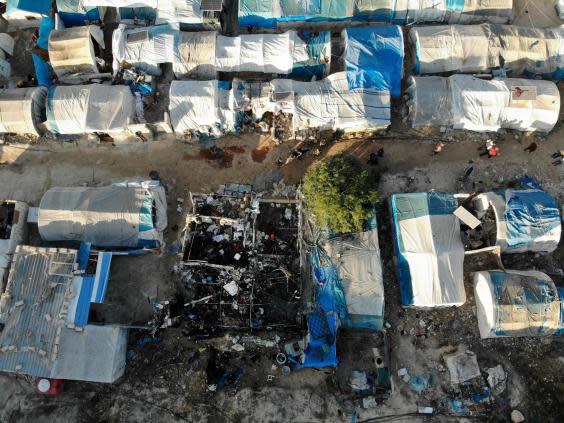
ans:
x=331 y=104
x=71 y=50
x=357 y=260
x=119 y=215
x=516 y=303
x=22 y=110
x=145 y=48
x=267 y=53
x=526 y=220
x=201 y=109
x=479 y=48
x=81 y=109
x=196 y=56
x=466 y=102
x=187 y=12
x=429 y=249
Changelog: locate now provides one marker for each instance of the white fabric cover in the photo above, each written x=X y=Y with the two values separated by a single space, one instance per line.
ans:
x=511 y=317
x=158 y=46
x=121 y=3
x=71 y=50
x=330 y=104
x=180 y=11
x=480 y=105
x=200 y=106
x=267 y=53
x=560 y=8
x=196 y=56
x=476 y=104
x=548 y=242
x=22 y=110
x=433 y=248
x=106 y=216
x=84 y=109
x=478 y=48
x=357 y=258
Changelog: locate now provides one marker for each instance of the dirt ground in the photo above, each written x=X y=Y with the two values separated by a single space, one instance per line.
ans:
x=166 y=382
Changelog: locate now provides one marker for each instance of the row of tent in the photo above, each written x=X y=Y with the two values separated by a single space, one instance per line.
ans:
x=26 y=13
x=277 y=13
x=356 y=98
x=429 y=259
x=52 y=336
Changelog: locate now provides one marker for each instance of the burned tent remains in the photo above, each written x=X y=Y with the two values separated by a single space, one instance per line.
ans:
x=239 y=264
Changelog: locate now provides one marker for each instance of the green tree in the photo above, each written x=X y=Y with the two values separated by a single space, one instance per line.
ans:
x=339 y=194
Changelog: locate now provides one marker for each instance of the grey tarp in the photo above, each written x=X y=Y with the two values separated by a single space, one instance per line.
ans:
x=22 y=110
x=97 y=354
x=106 y=216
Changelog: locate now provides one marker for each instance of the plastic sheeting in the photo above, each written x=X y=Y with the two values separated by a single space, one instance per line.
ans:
x=40 y=7
x=201 y=108
x=429 y=249
x=71 y=50
x=270 y=13
x=196 y=56
x=121 y=3
x=560 y=8
x=268 y=53
x=209 y=109
x=22 y=110
x=113 y=216
x=96 y=354
x=82 y=109
x=374 y=57
x=516 y=303
x=187 y=12
x=329 y=311
x=359 y=266
x=145 y=48
x=332 y=104
x=202 y=54
x=466 y=102
x=526 y=220
x=520 y=51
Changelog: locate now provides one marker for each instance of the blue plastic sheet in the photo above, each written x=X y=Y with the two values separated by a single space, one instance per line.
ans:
x=331 y=307
x=42 y=7
x=374 y=58
x=42 y=71
x=529 y=215
x=411 y=206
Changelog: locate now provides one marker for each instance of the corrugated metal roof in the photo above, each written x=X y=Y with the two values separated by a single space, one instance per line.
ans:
x=38 y=294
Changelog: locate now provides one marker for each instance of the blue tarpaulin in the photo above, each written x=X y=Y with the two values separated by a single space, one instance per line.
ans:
x=331 y=308
x=529 y=215
x=73 y=13
x=427 y=236
x=43 y=7
x=374 y=58
x=42 y=71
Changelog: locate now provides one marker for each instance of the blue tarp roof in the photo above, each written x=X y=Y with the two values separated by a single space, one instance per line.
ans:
x=529 y=215
x=331 y=307
x=42 y=7
x=374 y=58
